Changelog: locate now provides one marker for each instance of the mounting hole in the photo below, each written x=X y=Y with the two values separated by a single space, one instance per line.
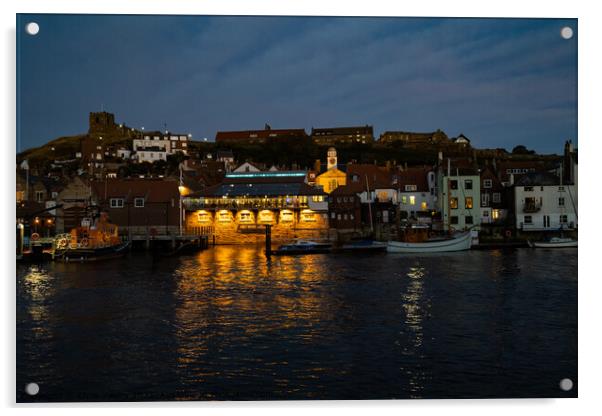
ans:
x=32 y=28
x=566 y=384
x=32 y=389
x=566 y=32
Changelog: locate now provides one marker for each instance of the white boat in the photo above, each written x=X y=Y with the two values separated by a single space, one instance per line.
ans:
x=554 y=242
x=458 y=243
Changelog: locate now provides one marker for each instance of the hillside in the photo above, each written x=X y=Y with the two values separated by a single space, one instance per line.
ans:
x=63 y=148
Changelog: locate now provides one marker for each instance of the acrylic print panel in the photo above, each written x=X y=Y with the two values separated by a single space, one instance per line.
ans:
x=278 y=208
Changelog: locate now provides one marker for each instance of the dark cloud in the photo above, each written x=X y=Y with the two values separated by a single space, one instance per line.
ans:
x=499 y=81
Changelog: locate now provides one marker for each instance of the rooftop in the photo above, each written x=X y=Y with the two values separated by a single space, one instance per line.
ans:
x=538 y=179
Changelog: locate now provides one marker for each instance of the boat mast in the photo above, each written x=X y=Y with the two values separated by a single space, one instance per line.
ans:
x=369 y=204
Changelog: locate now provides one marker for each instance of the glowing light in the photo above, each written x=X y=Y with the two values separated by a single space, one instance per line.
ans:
x=266 y=175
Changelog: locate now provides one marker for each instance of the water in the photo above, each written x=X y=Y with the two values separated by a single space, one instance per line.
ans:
x=227 y=325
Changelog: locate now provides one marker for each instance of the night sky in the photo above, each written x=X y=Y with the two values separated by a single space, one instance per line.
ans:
x=501 y=82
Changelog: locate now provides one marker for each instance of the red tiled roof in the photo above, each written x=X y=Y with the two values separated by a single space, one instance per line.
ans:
x=413 y=176
x=154 y=190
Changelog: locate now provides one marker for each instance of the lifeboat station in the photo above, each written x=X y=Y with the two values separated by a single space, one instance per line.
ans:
x=238 y=209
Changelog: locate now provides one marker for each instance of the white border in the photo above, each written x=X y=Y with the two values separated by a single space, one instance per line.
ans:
x=589 y=109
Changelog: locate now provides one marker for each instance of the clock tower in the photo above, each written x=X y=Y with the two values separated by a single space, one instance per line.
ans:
x=331 y=159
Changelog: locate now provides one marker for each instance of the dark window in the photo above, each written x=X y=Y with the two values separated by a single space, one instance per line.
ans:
x=468 y=220
x=453 y=219
x=453 y=184
x=468 y=184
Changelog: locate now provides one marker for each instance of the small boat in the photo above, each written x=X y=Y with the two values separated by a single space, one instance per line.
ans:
x=89 y=242
x=303 y=247
x=554 y=242
x=459 y=242
x=362 y=246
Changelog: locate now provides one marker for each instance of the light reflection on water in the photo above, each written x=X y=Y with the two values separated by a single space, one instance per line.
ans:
x=228 y=324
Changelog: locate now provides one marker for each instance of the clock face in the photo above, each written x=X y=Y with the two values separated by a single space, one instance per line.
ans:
x=332 y=161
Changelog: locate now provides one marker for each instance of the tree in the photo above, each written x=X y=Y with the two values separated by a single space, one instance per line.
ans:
x=522 y=150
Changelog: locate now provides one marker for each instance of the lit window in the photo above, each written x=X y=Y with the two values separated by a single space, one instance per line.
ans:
x=204 y=216
x=404 y=199
x=468 y=202
x=410 y=188
x=412 y=200
x=453 y=203
x=139 y=202
x=308 y=216
x=423 y=206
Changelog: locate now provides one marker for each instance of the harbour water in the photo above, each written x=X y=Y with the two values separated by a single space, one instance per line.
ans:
x=226 y=324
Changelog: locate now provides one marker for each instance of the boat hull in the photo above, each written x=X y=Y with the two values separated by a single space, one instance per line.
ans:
x=555 y=245
x=460 y=243
x=372 y=247
x=93 y=254
x=316 y=250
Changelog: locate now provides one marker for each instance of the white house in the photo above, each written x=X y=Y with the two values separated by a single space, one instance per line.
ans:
x=157 y=146
x=543 y=202
x=124 y=153
x=416 y=193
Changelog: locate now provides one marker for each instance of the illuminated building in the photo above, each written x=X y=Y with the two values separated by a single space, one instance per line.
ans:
x=238 y=209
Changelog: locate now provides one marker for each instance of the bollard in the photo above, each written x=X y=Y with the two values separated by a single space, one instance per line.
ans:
x=268 y=241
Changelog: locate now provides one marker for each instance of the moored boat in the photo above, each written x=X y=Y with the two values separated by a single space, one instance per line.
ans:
x=554 y=242
x=459 y=242
x=303 y=247
x=89 y=242
x=362 y=246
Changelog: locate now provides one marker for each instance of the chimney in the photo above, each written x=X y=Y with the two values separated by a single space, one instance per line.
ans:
x=448 y=166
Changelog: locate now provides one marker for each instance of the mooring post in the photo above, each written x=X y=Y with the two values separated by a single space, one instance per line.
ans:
x=20 y=238
x=268 y=240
